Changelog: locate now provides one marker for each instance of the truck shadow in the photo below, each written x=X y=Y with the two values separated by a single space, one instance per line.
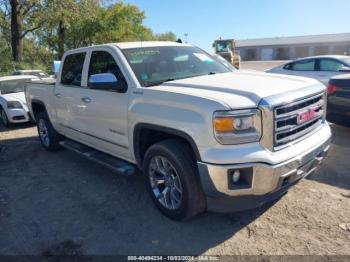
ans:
x=16 y=127
x=63 y=198
x=335 y=168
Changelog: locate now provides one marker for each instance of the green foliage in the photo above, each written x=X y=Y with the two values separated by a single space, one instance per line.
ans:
x=66 y=24
x=36 y=58
x=168 y=36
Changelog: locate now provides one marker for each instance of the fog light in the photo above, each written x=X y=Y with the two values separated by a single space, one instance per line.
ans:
x=236 y=175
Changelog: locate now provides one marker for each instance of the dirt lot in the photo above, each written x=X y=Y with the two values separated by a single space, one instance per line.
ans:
x=60 y=203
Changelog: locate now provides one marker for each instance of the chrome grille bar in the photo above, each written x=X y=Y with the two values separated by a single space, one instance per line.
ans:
x=294 y=120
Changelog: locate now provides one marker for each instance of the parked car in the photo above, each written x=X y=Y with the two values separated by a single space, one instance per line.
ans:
x=339 y=98
x=38 y=73
x=205 y=137
x=13 y=106
x=321 y=68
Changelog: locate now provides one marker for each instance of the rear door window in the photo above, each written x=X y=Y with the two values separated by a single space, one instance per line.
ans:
x=330 y=65
x=73 y=69
x=304 y=65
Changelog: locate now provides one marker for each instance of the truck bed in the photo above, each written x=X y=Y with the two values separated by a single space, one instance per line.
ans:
x=41 y=90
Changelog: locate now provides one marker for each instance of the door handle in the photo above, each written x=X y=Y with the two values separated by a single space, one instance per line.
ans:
x=86 y=99
x=58 y=95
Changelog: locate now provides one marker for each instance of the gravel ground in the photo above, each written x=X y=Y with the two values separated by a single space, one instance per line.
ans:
x=61 y=203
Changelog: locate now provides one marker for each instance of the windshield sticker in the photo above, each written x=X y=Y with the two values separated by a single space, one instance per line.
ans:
x=182 y=58
x=144 y=52
x=144 y=77
x=204 y=58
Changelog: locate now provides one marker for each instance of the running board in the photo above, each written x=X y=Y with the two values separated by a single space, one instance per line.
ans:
x=118 y=165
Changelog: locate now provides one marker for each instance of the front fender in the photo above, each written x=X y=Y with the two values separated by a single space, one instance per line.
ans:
x=187 y=114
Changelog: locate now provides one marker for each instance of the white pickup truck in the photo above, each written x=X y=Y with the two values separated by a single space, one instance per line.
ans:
x=206 y=136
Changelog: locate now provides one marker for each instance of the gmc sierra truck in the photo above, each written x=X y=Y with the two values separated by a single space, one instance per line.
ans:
x=204 y=135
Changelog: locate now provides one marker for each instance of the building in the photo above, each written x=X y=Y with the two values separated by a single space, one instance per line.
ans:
x=288 y=48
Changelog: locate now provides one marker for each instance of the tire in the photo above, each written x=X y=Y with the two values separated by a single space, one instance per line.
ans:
x=4 y=119
x=174 y=183
x=48 y=136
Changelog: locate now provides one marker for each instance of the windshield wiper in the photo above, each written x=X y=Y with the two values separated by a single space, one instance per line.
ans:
x=156 y=83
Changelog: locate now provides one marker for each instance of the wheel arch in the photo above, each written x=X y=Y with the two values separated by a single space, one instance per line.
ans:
x=154 y=134
x=37 y=107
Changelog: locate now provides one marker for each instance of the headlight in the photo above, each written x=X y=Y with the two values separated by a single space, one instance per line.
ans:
x=14 y=104
x=237 y=127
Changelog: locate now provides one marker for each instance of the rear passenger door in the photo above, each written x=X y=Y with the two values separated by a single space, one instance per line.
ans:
x=327 y=68
x=66 y=99
x=103 y=121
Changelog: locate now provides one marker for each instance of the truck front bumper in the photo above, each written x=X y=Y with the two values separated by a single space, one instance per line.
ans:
x=259 y=182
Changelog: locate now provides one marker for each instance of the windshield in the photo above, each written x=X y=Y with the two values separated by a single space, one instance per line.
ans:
x=155 y=65
x=12 y=86
x=223 y=45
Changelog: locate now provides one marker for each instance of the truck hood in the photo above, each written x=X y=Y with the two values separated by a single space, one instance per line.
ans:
x=239 y=89
x=15 y=97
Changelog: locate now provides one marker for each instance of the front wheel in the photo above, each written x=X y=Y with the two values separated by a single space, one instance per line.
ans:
x=48 y=136
x=172 y=179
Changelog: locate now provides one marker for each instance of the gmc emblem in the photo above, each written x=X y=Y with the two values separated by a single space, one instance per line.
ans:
x=307 y=115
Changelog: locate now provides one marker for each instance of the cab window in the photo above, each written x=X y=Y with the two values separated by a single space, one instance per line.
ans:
x=73 y=69
x=103 y=62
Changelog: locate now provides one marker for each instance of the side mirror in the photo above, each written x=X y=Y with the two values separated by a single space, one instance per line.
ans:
x=107 y=81
x=344 y=69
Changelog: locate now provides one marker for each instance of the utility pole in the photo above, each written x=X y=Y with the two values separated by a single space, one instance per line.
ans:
x=186 y=37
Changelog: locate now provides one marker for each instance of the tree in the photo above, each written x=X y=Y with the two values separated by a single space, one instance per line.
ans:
x=168 y=36
x=122 y=22
x=22 y=14
x=61 y=16
x=35 y=32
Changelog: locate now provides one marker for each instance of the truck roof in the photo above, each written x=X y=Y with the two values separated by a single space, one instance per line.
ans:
x=138 y=44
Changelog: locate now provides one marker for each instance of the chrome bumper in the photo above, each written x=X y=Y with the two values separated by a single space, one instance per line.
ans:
x=265 y=178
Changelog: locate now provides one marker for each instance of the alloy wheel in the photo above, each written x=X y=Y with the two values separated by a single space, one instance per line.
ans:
x=43 y=133
x=165 y=182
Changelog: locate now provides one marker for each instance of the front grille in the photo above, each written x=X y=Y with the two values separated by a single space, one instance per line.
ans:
x=295 y=120
x=18 y=117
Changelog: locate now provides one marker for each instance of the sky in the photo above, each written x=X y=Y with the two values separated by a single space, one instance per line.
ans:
x=206 y=20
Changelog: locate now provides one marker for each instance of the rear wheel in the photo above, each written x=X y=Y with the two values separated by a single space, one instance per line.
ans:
x=172 y=180
x=49 y=138
x=4 y=119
